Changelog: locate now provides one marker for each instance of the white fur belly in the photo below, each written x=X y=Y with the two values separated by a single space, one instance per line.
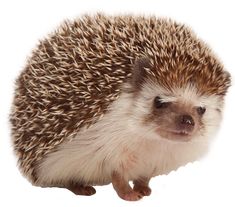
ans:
x=156 y=157
x=93 y=160
x=115 y=143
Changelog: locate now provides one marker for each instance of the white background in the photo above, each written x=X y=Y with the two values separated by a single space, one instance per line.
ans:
x=209 y=182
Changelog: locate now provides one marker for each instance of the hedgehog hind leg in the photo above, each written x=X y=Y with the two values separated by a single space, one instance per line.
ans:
x=79 y=189
x=76 y=188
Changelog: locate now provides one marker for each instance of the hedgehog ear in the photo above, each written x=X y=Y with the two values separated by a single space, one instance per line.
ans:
x=139 y=71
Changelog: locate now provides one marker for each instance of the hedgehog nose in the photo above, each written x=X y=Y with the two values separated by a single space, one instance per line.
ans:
x=186 y=120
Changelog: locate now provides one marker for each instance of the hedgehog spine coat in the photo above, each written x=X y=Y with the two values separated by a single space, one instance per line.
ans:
x=94 y=96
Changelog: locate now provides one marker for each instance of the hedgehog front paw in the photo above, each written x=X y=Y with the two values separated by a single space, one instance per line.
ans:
x=141 y=186
x=143 y=190
x=131 y=196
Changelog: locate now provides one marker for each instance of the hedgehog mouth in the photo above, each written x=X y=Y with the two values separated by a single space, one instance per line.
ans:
x=176 y=135
x=180 y=132
x=180 y=135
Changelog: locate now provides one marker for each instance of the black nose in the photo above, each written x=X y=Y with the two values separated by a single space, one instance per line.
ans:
x=186 y=120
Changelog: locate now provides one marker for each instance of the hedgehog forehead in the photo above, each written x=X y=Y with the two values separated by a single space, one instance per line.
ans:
x=187 y=94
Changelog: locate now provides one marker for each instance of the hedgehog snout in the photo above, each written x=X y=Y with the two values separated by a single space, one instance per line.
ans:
x=185 y=123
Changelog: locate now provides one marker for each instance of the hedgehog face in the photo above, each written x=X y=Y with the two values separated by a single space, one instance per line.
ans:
x=177 y=120
x=182 y=113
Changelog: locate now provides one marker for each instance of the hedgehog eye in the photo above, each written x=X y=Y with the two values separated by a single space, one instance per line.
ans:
x=158 y=103
x=201 y=110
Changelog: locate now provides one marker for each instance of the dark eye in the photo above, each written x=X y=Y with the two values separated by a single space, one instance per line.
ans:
x=201 y=110
x=159 y=104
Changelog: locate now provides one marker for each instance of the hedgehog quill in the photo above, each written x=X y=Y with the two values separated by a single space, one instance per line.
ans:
x=114 y=99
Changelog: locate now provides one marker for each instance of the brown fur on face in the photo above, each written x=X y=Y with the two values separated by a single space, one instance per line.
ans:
x=168 y=120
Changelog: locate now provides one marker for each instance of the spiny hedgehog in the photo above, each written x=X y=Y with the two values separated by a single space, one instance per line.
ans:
x=113 y=99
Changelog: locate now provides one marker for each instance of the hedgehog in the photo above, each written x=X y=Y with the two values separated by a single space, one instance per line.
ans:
x=116 y=99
